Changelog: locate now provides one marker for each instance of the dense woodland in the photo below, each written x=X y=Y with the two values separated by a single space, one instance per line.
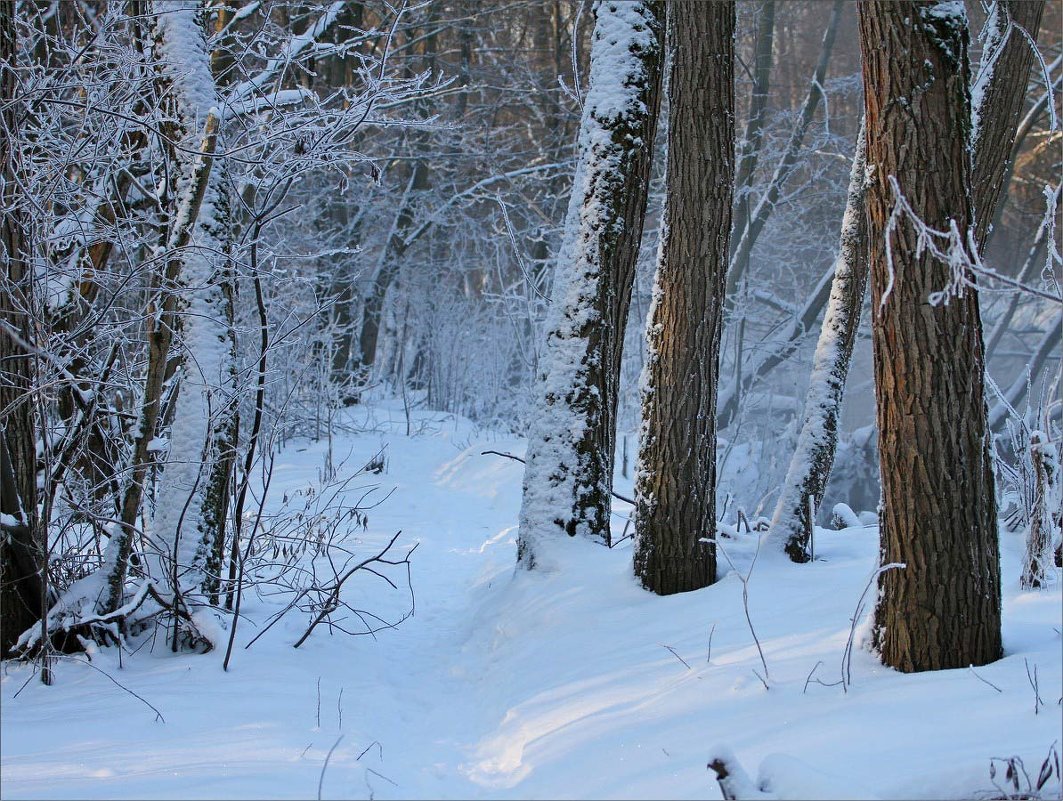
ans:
x=770 y=263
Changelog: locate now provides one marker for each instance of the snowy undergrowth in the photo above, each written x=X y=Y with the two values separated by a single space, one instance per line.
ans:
x=503 y=685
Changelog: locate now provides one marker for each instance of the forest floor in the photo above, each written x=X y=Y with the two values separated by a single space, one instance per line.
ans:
x=575 y=684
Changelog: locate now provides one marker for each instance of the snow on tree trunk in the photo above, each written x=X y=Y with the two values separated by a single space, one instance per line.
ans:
x=188 y=517
x=1046 y=501
x=675 y=484
x=568 y=479
x=813 y=458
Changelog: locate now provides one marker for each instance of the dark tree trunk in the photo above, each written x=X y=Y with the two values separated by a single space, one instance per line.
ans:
x=938 y=514
x=676 y=480
x=22 y=546
x=390 y=262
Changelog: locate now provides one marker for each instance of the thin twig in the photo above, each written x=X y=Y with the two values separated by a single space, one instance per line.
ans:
x=616 y=495
x=158 y=714
x=324 y=767
x=745 y=601
x=983 y=680
x=677 y=656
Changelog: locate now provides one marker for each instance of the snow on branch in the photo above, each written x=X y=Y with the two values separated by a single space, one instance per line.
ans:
x=298 y=44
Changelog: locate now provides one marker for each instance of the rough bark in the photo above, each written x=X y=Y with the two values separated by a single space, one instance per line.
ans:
x=938 y=513
x=568 y=478
x=810 y=468
x=22 y=546
x=675 y=486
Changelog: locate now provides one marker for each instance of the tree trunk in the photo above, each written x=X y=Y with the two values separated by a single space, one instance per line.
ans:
x=810 y=468
x=390 y=262
x=675 y=484
x=568 y=478
x=1038 y=559
x=938 y=514
x=187 y=518
x=749 y=149
x=998 y=95
x=22 y=541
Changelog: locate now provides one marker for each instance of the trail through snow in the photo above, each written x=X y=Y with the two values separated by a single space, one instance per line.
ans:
x=571 y=684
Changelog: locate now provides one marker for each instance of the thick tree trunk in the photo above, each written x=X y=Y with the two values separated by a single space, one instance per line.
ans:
x=675 y=484
x=22 y=541
x=938 y=514
x=806 y=480
x=568 y=478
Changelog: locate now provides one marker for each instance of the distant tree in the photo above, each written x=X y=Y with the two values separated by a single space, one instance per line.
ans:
x=998 y=94
x=568 y=479
x=938 y=514
x=675 y=485
x=810 y=467
x=22 y=546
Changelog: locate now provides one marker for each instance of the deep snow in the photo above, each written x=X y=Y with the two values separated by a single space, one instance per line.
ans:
x=524 y=685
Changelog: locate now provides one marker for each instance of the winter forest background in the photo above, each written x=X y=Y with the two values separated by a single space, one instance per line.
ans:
x=291 y=289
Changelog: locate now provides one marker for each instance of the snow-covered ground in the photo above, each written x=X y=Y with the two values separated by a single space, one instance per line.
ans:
x=575 y=684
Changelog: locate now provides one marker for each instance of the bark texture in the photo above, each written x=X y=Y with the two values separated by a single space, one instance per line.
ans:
x=675 y=487
x=22 y=552
x=809 y=472
x=938 y=513
x=568 y=479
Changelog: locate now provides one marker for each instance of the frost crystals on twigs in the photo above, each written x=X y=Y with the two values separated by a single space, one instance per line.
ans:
x=953 y=248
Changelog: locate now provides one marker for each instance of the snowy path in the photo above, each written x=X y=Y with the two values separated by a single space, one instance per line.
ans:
x=536 y=686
